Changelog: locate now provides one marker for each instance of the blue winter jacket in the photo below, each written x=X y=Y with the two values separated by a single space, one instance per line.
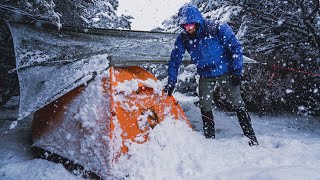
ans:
x=214 y=49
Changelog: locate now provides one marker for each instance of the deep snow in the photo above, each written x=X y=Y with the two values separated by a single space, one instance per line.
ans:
x=289 y=149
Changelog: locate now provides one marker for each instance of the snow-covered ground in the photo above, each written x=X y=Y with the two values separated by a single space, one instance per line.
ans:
x=289 y=149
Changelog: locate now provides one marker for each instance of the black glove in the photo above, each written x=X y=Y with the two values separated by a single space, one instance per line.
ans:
x=169 y=89
x=235 y=80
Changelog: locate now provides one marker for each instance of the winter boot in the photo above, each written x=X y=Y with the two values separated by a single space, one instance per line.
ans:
x=208 y=124
x=245 y=123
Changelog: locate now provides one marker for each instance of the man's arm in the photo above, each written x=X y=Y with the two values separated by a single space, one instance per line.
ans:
x=175 y=61
x=231 y=42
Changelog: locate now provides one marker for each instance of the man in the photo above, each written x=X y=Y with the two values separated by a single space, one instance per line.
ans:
x=217 y=53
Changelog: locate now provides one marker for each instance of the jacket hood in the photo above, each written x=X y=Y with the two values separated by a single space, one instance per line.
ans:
x=190 y=14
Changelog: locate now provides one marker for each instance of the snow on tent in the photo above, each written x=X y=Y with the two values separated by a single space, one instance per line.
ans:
x=87 y=96
x=91 y=124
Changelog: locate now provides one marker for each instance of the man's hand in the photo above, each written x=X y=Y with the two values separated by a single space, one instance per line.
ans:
x=235 y=80
x=168 y=89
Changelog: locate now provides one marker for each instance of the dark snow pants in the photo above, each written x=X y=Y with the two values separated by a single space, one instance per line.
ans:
x=206 y=88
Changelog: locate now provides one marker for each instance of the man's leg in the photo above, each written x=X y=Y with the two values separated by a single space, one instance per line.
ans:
x=245 y=123
x=234 y=96
x=206 y=86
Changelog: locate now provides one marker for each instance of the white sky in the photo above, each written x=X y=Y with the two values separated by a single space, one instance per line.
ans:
x=149 y=14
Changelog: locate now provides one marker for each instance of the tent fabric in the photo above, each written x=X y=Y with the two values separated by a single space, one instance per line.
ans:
x=92 y=124
x=50 y=62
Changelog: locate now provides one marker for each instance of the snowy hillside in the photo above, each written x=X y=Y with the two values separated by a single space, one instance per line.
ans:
x=289 y=149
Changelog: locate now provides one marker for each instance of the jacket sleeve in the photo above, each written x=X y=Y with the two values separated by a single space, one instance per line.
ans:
x=231 y=42
x=175 y=60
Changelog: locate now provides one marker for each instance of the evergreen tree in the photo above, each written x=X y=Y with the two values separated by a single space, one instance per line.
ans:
x=92 y=13
x=82 y=13
x=35 y=9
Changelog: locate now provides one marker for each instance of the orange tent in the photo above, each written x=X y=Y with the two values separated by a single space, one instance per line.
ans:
x=92 y=124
